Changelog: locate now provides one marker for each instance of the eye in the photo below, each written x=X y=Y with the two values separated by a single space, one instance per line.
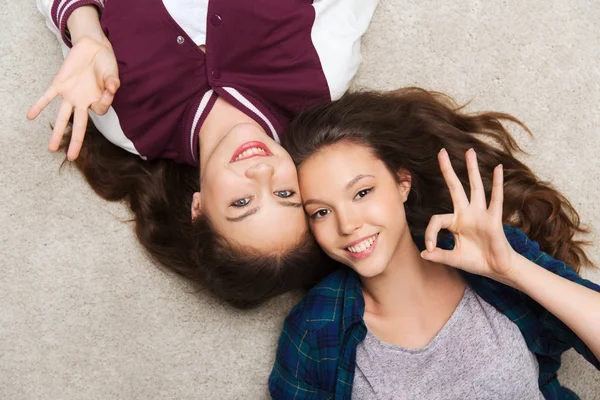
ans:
x=319 y=213
x=362 y=193
x=241 y=202
x=284 y=194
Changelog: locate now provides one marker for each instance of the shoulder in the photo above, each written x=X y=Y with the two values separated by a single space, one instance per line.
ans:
x=336 y=32
x=314 y=328
x=323 y=304
x=530 y=249
x=525 y=246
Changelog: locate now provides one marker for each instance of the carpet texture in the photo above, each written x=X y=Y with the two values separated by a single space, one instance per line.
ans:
x=86 y=315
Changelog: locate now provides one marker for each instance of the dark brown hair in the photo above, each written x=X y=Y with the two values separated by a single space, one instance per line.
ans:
x=407 y=128
x=159 y=193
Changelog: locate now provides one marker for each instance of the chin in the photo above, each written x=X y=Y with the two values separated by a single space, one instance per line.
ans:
x=370 y=272
x=367 y=268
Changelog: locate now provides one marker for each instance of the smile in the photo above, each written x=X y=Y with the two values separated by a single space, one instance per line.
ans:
x=362 y=248
x=250 y=150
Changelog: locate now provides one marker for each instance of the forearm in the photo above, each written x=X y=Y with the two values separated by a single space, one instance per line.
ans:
x=85 y=22
x=58 y=15
x=576 y=306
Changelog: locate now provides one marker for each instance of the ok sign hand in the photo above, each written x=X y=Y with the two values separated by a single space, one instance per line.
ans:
x=480 y=244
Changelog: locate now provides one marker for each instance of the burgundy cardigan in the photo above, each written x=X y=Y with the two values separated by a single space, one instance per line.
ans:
x=269 y=58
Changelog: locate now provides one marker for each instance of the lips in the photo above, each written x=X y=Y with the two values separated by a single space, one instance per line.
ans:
x=362 y=248
x=250 y=150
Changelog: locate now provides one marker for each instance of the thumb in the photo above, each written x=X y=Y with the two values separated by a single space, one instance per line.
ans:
x=438 y=255
x=112 y=84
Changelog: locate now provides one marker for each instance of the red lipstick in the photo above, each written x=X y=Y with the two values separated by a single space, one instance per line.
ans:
x=250 y=145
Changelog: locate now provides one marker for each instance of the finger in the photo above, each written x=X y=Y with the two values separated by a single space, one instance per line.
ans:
x=436 y=223
x=62 y=120
x=35 y=110
x=79 y=125
x=101 y=106
x=457 y=192
x=477 y=190
x=497 y=200
x=112 y=84
x=446 y=257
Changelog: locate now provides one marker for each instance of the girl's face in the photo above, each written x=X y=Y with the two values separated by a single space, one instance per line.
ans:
x=355 y=207
x=249 y=189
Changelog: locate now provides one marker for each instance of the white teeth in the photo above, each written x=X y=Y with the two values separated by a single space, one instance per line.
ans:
x=249 y=152
x=362 y=246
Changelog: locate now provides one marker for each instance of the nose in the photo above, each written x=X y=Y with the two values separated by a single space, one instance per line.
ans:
x=348 y=223
x=260 y=172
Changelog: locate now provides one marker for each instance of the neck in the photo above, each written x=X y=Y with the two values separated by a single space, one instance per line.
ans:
x=218 y=123
x=407 y=280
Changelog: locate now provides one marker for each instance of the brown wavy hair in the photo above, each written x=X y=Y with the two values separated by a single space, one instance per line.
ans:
x=159 y=193
x=407 y=128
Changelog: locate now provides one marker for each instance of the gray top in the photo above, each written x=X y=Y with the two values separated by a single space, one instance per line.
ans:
x=478 y=354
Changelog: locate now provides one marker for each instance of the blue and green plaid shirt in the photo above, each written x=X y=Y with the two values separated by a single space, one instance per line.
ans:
x=317 y=347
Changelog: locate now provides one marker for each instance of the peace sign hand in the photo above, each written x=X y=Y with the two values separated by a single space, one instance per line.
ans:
x=88 y=79
x=480 y=244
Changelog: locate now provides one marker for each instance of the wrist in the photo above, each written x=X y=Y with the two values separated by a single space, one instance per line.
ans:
x=514 y=275
x=512 y=270
x=84 y=22
x=522 y=274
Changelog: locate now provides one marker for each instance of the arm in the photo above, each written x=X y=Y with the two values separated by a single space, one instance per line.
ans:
x=482 y=248
x=575 y=305
x=58 y=15
x=336 y=36
x=85 y=22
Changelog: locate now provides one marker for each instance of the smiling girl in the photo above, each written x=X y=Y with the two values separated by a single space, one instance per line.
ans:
x=188 y=101
x=443 y=296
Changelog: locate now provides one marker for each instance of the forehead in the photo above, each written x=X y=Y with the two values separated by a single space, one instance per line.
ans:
x=337 y=164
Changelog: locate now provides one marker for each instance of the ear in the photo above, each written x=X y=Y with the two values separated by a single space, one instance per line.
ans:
x=405 y=183
x=196 y=205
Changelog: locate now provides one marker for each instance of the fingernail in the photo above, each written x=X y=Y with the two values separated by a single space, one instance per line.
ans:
x=429 y=246
x=442 y=149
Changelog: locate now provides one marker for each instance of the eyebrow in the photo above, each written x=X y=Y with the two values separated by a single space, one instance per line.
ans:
x=356 y=179
x=244 y=215
x=290 y=204
x=257 y=209
x=348 y=186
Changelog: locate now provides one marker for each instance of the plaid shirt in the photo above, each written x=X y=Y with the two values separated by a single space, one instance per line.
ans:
x=316 y=356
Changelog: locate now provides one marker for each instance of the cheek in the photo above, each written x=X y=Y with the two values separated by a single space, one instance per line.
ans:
x=323 y=234
x=219 y=185
x=387 y=210
x=287 y=172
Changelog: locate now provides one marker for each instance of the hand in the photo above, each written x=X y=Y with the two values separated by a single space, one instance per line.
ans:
x=480 y=244
x=88 y=78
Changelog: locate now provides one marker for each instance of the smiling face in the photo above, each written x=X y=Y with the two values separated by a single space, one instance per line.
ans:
x=249 y=190
x=355 y=206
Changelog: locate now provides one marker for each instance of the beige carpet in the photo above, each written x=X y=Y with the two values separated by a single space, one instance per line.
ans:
x=84 y=313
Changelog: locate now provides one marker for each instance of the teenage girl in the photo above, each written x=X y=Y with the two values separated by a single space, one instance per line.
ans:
x=191 y=99
x=456 y=282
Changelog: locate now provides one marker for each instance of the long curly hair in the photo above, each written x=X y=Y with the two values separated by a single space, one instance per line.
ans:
x=407 y=128
x=159 y=193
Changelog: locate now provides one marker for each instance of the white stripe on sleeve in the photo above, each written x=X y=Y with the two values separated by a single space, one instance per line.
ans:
x=336 y=33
